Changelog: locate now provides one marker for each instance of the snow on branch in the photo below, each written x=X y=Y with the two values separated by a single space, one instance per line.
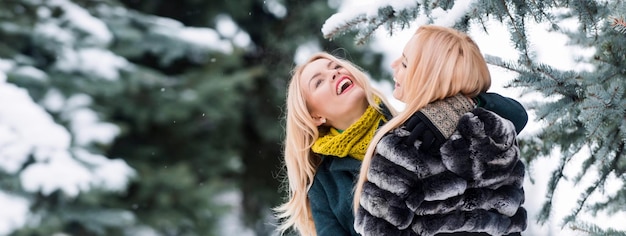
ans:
x=392 y=15
x=367 y=18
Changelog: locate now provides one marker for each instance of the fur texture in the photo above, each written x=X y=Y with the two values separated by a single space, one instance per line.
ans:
x=473 y=183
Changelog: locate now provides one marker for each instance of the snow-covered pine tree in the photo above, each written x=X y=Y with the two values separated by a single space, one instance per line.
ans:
x=70 y=86
x=49 y=128
x=585 y=110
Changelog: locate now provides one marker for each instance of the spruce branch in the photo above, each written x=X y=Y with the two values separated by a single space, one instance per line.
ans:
x=619 y=25
x=557 y=176
x=612 y=204
x=540 y=6
x=519 y=30
x=605 y=171
x=587 y=164
x=387 y=13
x=342 y=28
x=586 y=12
x=592 y=229
x=365 y=24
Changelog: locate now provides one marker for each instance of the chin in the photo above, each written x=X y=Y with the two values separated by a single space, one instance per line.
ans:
x=397 y=97
x=358 y=92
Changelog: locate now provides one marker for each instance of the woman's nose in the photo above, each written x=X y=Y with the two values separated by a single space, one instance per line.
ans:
x=335 y=73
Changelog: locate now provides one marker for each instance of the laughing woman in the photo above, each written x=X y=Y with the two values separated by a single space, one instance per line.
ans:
x=442 y=166
x=332 y=115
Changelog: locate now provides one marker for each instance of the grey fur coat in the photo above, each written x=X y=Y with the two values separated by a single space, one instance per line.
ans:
x=445 y=170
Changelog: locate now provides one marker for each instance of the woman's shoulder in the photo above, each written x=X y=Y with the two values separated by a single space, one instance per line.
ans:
x=434 y=123
x=443 y=115
x=494 y=156
x=333 y=172
x=481 y=122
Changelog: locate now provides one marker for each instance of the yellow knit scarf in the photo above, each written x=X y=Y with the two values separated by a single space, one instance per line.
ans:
x=352 y=141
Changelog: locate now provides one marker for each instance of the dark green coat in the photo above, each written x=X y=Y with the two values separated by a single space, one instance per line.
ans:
x=331 y=194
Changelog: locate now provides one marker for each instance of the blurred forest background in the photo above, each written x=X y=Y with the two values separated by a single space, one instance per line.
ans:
x=189 y=94
x=130 y=117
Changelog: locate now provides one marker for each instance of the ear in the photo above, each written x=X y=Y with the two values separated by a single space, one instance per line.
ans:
x=318 y=121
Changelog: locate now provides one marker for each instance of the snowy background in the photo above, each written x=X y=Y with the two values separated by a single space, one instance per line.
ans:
x=27 y=129
x=551 y=48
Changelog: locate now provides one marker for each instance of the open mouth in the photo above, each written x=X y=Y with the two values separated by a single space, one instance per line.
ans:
x=343 y=85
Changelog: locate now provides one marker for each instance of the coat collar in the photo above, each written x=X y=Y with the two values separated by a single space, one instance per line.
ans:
x=343 y=164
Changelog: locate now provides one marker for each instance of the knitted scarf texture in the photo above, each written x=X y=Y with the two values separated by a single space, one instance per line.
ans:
x=353 y=141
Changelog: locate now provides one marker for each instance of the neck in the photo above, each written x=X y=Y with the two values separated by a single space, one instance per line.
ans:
x=346 y=122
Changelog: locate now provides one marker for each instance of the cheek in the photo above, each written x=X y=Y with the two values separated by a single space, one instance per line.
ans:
x=315 y=108
x=397 y=94
x=400 y=76
x=312 y=102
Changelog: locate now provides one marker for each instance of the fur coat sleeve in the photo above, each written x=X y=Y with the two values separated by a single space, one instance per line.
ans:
x=424 y=181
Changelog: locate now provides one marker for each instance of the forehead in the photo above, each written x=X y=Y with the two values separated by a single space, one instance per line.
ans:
x=314 y=67
x=410 y=49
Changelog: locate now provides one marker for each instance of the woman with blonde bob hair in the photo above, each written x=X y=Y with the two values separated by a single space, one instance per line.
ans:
x=443 y=165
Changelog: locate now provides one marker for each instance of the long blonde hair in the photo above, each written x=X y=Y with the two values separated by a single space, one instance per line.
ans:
x=301 y=133
x=447 y=63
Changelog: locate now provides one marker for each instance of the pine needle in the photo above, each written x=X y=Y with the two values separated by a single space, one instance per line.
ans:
x=619 y=24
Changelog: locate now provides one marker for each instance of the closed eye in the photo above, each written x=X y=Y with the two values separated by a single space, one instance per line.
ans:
x=317 y=83
x=404 y=61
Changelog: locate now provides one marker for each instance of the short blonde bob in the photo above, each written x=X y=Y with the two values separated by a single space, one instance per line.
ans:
x=447 y=62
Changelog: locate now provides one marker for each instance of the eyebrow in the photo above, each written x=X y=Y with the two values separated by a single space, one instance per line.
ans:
x=318 y=73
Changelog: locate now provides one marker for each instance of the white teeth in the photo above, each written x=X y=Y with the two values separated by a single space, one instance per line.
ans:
x=343 y=85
